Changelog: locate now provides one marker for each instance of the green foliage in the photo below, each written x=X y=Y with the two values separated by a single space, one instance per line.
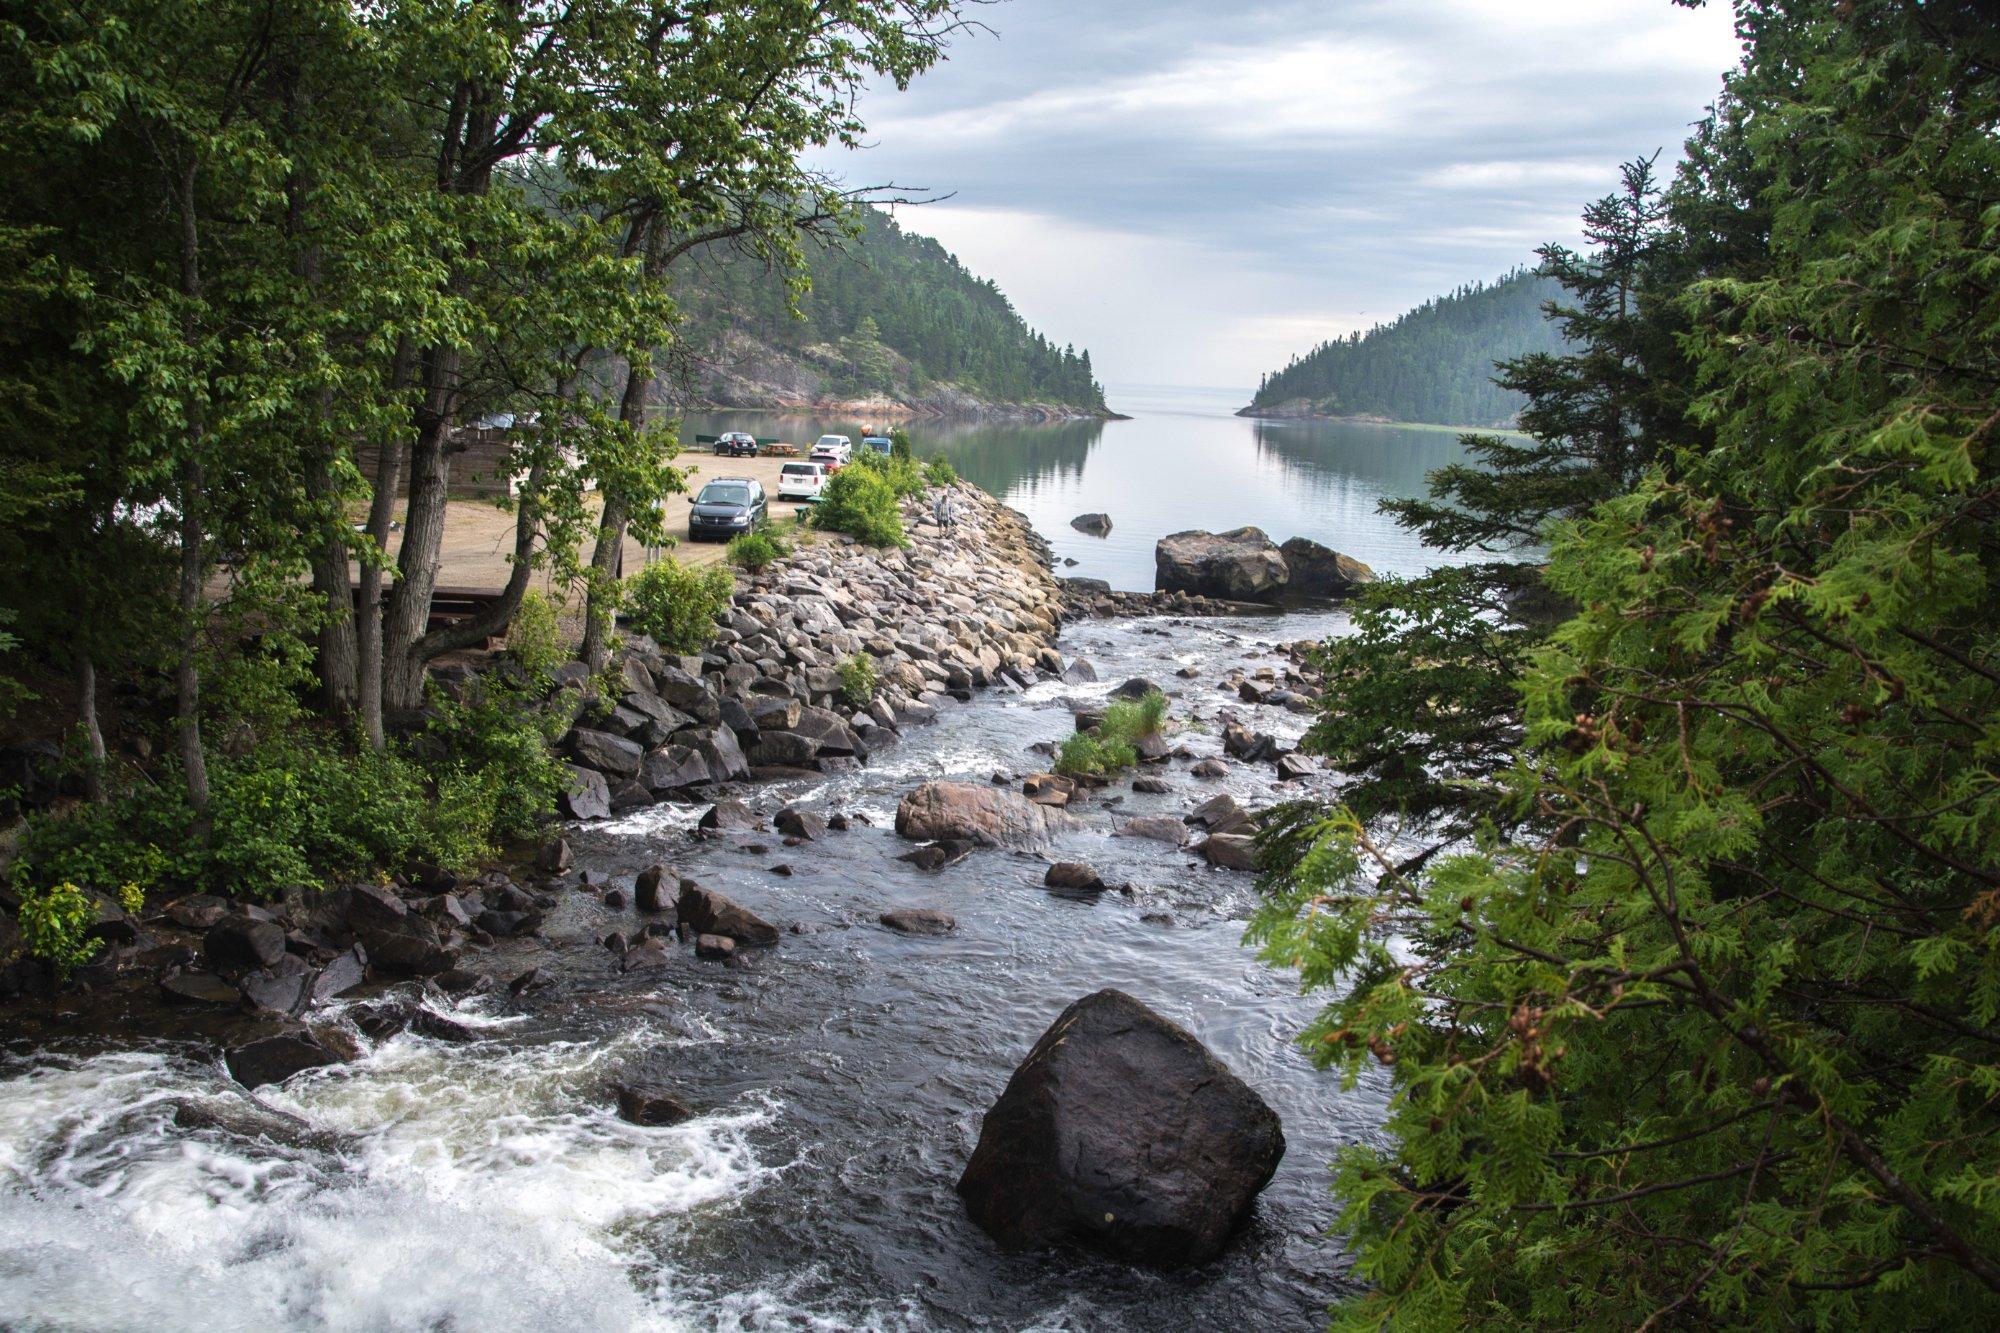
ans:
x=861 y=501
x=755 y=551
x=55 y=925
x=1434 y=363
x=534 y=636
x=900 y=446
x=1113 y=744
x=677 y=604
x=901 y=473
x=857 y=680
x=1696 y=1027
x=940 y=472
x=903 y=314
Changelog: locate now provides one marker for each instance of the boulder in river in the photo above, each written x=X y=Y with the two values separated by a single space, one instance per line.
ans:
x=1120 y=1132
x=1097 y=525
x=649 y=889
x=1317 y=571
x=650 y=1104
x=942 y=811
x=919 y=921
x=1243 y=565
x=238 y=942
x=1230 y=851
x=276 y=1058
x=706 y=912
x=728 y=815
x=397 y=940
x=1073 y=877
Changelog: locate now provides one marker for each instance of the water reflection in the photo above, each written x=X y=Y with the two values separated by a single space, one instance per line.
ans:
x=1184 y=460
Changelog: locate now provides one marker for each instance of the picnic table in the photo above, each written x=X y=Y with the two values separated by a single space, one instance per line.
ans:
x=777 y=449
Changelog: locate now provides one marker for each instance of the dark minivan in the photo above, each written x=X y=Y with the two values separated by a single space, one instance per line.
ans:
x=726 y=507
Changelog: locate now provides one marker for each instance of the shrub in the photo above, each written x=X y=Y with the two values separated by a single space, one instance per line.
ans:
x=756 y=550
x=677 y=605
x=857 y=680
x=940 y=472
x=1114 y=744
x=860 y=501
x=534 y=636
x=899 y=445
x=55 y=923
x=902 y=474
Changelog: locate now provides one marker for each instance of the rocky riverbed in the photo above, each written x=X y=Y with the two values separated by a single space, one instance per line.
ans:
x=722 y=1055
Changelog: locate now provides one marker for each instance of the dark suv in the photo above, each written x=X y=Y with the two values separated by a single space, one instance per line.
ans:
x=727 y=507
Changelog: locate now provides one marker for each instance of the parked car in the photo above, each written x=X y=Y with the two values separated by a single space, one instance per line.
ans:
x=801 y=481
x=833 y=452
x=736 y=444
x=877 y=444
x=727 y=507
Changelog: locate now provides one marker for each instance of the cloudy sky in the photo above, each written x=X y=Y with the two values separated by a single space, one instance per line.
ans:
x=1196 y=190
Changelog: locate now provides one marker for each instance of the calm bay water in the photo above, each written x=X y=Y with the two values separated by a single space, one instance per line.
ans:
x=1183 y=461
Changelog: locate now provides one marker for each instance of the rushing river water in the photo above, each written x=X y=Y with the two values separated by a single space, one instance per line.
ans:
x=1184 y=460
x=842 y=1075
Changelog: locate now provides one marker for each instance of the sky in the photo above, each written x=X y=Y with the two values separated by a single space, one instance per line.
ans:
x=1196 y=191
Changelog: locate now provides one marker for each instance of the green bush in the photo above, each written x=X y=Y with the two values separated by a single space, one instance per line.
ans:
x=302 y=805
x=940 y=472
x=1114 y=743
x=857 y=680
x=534 y=636
x=55 y=923
x=676 y=604
x=861 y=502
x=899 y=445
x=902 y=473
x=755 y=551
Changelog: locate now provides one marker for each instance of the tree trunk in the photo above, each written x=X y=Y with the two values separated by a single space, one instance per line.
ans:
x=93 y=734
x=194 y=564
x=388 y=483
x=605 y=564
x=339 y=654
x=423 y=545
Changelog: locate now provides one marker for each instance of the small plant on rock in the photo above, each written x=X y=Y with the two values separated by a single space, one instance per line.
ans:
x=940 y=472
x=55 y=925
x=1114 y=743
x=756 y=551
x=857 y=680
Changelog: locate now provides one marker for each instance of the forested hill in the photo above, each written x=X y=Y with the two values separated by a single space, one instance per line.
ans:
x=891 y=317
x=1434 y=363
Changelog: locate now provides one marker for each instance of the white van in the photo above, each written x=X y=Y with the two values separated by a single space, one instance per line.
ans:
x=801 y=481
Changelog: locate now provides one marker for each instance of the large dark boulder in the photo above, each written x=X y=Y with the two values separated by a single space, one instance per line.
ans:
x=706 y=912
x=1097 y=525
x=276 y=1058
x=1120 y=1132
x=718 y=748
x=239 y=942
x=941 y=811
x=1244 y=565
x=672 y=767
x=588 y=795
x=1319 y=571
x=611 y=755
x=398 y=940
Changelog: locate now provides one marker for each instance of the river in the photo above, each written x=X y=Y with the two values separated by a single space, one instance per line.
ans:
x=842 y=1075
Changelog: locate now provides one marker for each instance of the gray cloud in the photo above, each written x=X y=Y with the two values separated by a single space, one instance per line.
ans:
x=1195 y=191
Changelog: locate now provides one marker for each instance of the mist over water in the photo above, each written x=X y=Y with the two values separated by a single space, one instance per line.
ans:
x=1184 y=460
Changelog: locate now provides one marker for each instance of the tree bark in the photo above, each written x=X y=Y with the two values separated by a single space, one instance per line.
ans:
x=193 y=564
x=417 y=563
x=387 y=482
x=93 y=734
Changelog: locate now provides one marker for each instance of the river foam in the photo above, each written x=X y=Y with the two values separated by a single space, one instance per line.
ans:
x=427 y=1186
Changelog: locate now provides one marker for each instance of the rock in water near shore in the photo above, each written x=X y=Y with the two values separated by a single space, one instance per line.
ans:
x=1121 y=1132
x=1244 y=565
x=1097 y=525
x=706 y=912
x=940 y=811
x=1318 y=571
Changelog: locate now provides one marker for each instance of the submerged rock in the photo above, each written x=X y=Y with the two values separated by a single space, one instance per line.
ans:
x=1097 y=525
x=919 y=921
x=276 y=1058
x=1120 y=1132
x=652 y=1105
